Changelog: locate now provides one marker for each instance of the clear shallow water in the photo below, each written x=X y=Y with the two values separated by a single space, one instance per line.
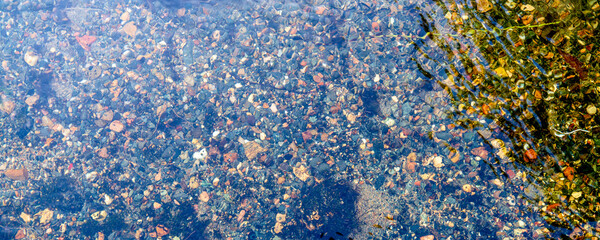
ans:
x=274 y=120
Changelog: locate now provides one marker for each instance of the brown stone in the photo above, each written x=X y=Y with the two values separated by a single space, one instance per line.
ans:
x=204 y=196
x=280 y=217
x=481 y=152
x=412 y=157
x=530 y=155
x=20 y=234
x=161 y=230
x=454 y=156
x=32 y=100
x=181 y=12
x=17 y=174
x=301 y=172
x=45 y=215
x=116 y=126
x=8 y=106
x=46 y=121
x=130 y=29
x=320 y=10
x=194 y=183
x=103 y=153
x=278 y=227
x=158 y=176
x=107 y=116
x=213 y=150
x=335 y=108
x=252 y=149
x=324 y=137
x=375 y=26
x=467 y=188
x=125 y=16
x=569 y=172
x=265 y=160
x=280 y=180
x=306 y=135
x=240 y=216
x=230 y=157
x=410 y=167
x=484 y=5
x=428 y=237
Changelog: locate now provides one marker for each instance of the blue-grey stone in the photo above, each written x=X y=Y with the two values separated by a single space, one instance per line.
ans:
x=443 y=135
x=323 y=167
x=468 y=136
x=406 y=109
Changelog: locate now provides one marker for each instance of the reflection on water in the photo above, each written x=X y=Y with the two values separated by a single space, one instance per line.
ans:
x=298 y=120
x=527 y=67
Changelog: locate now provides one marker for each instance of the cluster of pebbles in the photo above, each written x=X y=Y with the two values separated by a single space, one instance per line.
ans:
x=283 y=120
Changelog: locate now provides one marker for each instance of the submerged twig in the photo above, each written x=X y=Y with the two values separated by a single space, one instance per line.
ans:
x=562 y=134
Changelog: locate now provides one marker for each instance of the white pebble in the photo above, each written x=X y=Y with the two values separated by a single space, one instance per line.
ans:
x=438 y=162
x=107 y=200
x=91 y=176
x=273 y=108
x=389 y=122
x=200 y=155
